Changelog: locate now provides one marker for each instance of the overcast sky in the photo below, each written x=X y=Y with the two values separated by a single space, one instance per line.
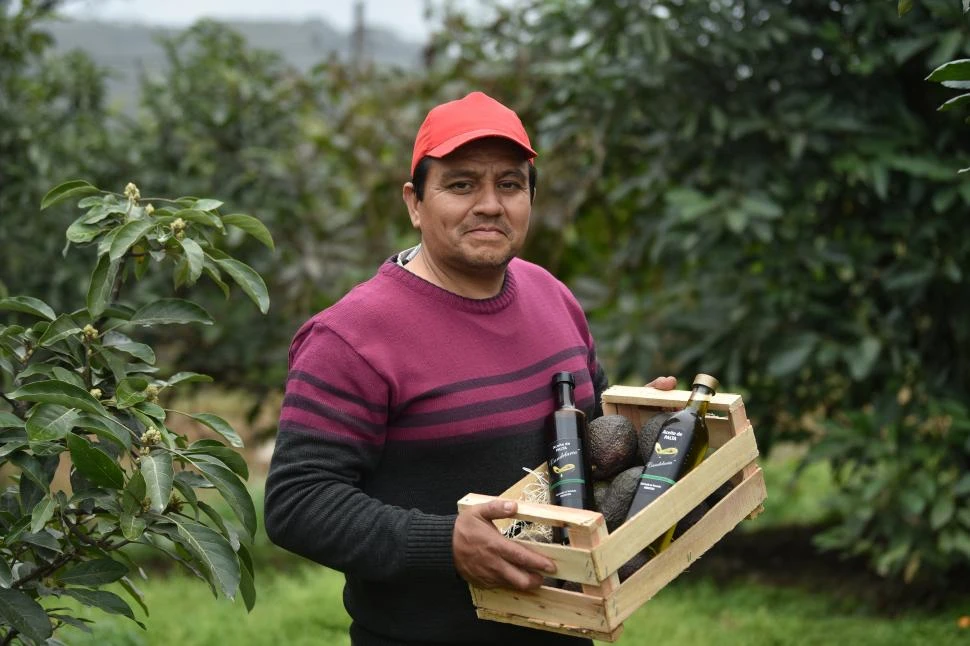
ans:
x=403 y=16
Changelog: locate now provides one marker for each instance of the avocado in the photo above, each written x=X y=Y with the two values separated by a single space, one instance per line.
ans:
x=612 y=445
x=600 y=487
x=616 y=504
x=649 y=432
x=691 y=519
x=638 y=561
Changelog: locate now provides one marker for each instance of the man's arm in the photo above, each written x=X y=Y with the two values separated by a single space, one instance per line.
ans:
x=330 y=437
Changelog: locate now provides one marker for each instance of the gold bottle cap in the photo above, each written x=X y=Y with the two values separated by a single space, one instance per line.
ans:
x=707 y=380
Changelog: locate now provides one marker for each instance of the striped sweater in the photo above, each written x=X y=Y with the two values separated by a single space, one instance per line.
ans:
x=400 y=399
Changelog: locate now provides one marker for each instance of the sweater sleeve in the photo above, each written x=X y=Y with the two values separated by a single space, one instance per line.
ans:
x=331 y=434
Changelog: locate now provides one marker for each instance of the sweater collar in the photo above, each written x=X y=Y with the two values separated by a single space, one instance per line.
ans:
x=428 y=290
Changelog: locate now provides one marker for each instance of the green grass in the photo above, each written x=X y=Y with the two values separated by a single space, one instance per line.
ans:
x=303 y=607
x=299 y=603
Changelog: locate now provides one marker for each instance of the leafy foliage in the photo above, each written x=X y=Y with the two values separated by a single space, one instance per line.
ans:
x=763 y=191
x=83 y=391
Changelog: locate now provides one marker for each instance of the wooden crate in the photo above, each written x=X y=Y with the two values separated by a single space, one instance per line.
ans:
x=595 y=555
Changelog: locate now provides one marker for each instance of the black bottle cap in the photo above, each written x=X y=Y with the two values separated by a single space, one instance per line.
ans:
x=563 y=378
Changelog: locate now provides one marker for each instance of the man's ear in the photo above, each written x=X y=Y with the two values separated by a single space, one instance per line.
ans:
x=411 y=201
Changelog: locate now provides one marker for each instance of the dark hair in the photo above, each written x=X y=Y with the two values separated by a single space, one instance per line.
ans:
x=421 y=176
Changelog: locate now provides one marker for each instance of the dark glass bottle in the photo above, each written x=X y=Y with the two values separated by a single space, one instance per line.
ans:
x=681 y=446
x=570 y=484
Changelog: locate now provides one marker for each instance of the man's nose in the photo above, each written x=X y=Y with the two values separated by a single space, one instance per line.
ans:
x=489 y=202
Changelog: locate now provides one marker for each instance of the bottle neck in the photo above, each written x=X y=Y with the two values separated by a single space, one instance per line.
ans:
x=564 y=395
x=700 y=397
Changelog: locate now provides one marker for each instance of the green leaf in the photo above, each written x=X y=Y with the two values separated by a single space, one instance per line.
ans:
x=187 y=377
x=223 y=456
x=73 y=188
x=942 y=512
x=862 y=358
x=233 y=491
x=69 y=376
x=157 y=471
x=9 y=420
x=101 y=286
x=28 y=305
x=220 y=426
x=955 y=102
x=207 y=205
x=201 y=217
x=793 y=357
x=53 y=391
x=252 y=226
x=130 y=391
x=132 y=526
x=94 y=464
x=958 y=70
x=42 y=512
x=247 y=584
x=212 y=271
x=80 y=231
x=171 y=310
x=135 y=593
x=128 y=235
x=93 y=573
x=25 y=615
x=903 y=7
x=63 y=327
x=195 y=258
x=213 y=551
x=32 y=468
x=50 y=422
x=106 y=427
x=103 y=600
x=250 y=281
x=227 y=530
x=121 y=342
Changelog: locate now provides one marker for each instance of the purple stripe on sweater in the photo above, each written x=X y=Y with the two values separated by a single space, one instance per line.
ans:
x=320 y=384
x=483 y=409
x=310 y=413
x=481 y=382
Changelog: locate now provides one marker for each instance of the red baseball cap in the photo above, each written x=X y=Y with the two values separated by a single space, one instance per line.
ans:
x=455 y=123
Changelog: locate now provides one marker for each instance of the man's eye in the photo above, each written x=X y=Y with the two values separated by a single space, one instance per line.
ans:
x=460 y=186
x=510 y=186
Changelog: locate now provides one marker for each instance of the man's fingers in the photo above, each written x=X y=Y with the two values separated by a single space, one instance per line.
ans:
x=497 y=509
x=662 y=383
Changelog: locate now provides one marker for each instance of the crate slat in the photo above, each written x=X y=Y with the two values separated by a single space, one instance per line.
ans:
x=595 y=555
x=663 y=568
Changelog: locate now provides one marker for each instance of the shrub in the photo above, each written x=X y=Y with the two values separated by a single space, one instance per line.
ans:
x=83 y=390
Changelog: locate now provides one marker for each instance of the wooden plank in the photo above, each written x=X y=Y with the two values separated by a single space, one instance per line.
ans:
x=541 y=513
x=531 y=622
x=641 y=530
x=651 y=397
x=557 y=607
x=586 y=539
x=667 y=565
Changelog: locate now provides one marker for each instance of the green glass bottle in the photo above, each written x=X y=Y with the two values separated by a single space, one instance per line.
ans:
x=570 y=484
x=681 y=446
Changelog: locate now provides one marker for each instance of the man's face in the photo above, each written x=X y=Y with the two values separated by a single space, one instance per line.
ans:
x=475 y=213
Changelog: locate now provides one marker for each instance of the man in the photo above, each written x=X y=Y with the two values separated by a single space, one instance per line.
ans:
x=429 y=381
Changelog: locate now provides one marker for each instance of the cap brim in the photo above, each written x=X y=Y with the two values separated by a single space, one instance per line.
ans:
x=450 y=145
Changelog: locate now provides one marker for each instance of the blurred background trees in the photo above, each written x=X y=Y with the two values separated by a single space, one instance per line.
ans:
x=761 y=190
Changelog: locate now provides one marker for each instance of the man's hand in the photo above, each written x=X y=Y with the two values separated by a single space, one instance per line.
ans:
x=662 y=383
x=489 y=560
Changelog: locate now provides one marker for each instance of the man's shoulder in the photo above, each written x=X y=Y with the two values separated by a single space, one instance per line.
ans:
x=366 y=300
x=529 y=275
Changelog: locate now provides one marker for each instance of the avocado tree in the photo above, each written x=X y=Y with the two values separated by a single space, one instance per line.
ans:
x=83 y=397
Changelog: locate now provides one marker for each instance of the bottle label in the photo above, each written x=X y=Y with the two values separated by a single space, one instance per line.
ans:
x=665 y=463
x=566 y=473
